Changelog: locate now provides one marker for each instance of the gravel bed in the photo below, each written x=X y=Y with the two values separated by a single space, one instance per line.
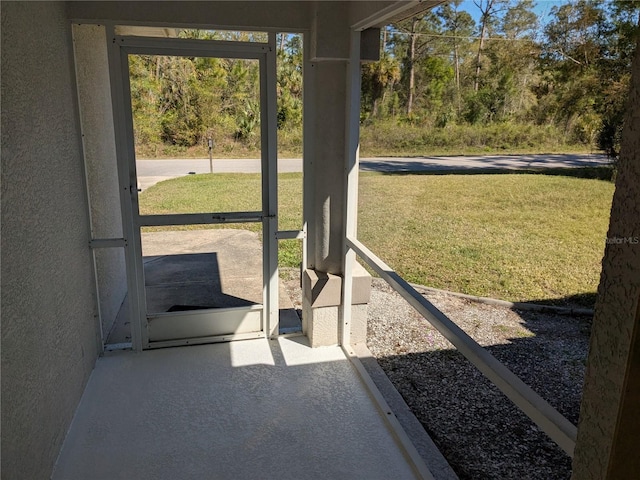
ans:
x=478 y=430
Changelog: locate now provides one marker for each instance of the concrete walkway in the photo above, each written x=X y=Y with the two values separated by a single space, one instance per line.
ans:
x=254 y=409
x=194 y=269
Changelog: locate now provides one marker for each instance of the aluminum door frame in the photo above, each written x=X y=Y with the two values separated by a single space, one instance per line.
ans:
x=119 y=48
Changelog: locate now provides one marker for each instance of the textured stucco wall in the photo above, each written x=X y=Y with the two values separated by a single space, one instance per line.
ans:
x=609 y=427
x=49 y=332
x=96 y=116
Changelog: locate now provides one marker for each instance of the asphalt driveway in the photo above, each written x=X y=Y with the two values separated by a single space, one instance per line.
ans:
x=151 y=172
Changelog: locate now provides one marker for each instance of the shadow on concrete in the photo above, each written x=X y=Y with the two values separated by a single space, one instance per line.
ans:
x=193 y=281
x=201 y=270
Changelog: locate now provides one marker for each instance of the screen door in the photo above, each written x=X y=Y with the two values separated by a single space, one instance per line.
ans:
x=206 y=270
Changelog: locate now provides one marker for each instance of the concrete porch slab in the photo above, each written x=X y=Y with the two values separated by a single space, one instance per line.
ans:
x=194 y=269
x=255 y=409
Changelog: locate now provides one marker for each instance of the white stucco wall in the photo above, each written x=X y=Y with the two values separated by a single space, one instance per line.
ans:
x=96 y=116
x=49 y=332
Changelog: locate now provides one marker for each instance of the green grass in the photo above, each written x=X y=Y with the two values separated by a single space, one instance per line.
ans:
x=229 y=192
x=519 y=237
x=515 y=237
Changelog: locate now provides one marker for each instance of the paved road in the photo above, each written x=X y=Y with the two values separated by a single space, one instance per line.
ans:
x=152 y=171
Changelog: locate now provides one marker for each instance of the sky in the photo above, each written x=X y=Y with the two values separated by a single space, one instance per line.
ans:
x=541 y=7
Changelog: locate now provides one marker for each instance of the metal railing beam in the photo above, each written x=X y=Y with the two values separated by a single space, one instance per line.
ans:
x=554 y=424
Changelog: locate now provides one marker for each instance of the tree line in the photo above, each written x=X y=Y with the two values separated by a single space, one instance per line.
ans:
x=183 y=101
x=437 y=71
x=571 y=72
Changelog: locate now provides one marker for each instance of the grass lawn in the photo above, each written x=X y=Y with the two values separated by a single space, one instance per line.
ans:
x=519 y=237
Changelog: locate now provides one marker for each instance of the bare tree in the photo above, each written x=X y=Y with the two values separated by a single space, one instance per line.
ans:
x=488 y=9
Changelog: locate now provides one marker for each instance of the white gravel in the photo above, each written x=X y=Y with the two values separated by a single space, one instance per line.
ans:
x=478 y=430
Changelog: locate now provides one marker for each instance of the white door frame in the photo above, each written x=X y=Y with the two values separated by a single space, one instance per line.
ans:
x=119 y=48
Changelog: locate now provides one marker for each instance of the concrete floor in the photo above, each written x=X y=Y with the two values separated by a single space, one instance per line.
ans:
x=198 y=269
x=254 y=409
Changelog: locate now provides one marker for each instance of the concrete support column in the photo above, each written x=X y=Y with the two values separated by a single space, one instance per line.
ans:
x=328 y=172
x=326 y=98
x=609 y=428
x=321 y=306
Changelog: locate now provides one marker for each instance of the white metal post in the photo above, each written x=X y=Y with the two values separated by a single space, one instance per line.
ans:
x=119 y=77
x=350 y=210
x=308 y=152
x=136 y=238
x=269 y=120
